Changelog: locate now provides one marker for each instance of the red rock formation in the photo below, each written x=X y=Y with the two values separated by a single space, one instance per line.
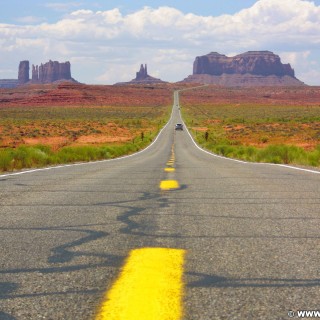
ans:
x=142 y=73
x=35 y=74
x=243 y=80
x=264 y=63
x=142 y=77
x=51 y=71
x=23 y=73
x=252 y=68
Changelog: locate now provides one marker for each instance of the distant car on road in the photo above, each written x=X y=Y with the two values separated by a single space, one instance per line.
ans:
x=179 y=126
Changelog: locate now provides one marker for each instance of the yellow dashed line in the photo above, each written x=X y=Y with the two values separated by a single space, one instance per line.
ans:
x=149 y=287
x=169 y=184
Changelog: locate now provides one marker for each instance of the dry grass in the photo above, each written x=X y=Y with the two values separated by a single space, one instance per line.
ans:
x=282 y=122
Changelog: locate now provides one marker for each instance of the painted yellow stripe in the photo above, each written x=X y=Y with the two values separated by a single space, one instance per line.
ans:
x=169 y=169
x=169 y=184
x=149 y=287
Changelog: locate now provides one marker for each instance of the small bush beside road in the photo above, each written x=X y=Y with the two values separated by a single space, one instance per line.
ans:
x=283 y=134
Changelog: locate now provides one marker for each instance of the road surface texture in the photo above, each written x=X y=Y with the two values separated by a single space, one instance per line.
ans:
x=251 y=233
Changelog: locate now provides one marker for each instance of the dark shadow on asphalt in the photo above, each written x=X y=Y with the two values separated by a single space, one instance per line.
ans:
x=7 y=288
x=48 y=294
x=214 y=281
x=62 y=254
x=6 y=316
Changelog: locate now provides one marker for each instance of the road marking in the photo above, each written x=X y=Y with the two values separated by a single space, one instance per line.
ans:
x=149 y=287
x=169 y=169
x=246 y=162
x=169 y=184
x=236 y=160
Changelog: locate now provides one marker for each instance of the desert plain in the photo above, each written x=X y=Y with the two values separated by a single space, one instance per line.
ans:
x=69 y=122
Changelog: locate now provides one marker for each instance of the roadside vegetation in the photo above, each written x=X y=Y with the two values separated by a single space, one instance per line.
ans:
x=260 y=133
x=43 y=136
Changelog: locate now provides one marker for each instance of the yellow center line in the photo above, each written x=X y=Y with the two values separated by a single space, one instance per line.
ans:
x=149 y=287
x=169 y=184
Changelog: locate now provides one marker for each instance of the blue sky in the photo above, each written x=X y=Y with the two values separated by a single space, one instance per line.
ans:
x=106 y=41
x=51 y=11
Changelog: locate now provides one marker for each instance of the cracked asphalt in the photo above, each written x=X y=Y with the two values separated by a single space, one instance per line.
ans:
x=251 y=233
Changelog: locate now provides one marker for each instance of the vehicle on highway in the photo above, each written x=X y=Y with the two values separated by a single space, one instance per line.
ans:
x=179 y=126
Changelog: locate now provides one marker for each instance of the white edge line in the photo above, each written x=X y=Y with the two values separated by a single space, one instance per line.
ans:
x=91 y=162
x=246 y=162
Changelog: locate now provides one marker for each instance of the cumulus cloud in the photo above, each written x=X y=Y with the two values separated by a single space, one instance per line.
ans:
x=166 y=37
x=30 y=19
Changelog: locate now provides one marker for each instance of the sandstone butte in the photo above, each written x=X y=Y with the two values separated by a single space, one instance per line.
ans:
x=253 y=68
x=142 y=77
x=48 y=72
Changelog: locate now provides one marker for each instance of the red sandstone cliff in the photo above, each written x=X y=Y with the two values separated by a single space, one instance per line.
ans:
x=23 y=72
x=51 y=71
x=252 y=68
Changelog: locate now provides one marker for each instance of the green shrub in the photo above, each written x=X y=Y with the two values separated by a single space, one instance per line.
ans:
x=40 y=155
x=5 y=160
x=279 y=154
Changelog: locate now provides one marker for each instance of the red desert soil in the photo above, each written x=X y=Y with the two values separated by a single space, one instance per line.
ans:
x=77 y=95
x=69 y=94
x=215 y=95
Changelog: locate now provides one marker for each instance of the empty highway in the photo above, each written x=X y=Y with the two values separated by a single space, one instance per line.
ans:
x=240 y=241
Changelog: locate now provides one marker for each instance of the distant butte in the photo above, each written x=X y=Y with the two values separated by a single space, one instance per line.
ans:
x=142 y=77
x=50 y=72
x=252 y=68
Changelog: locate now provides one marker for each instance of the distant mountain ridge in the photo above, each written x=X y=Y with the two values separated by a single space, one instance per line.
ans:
x=252 y=68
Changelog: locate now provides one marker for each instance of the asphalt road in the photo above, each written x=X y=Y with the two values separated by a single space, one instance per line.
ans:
x=251 y=233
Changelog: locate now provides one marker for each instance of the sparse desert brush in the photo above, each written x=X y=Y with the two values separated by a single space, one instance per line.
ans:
x=59 y=131
x=276 y=134
x=41 y=155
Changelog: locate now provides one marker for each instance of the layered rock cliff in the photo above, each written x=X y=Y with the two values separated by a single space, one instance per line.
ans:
x=23 y=72
x=51 y=71
x=246 y=69
x=45 y=73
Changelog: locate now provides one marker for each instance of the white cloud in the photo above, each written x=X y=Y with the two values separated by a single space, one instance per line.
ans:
x=311 y=76
x=166 y=38
x=118 y=73
x=295 y=57
x=30 y=19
